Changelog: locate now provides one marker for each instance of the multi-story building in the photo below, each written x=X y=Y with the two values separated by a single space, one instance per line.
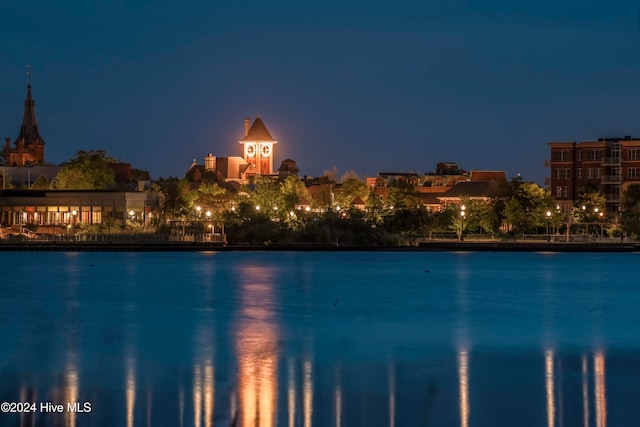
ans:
x=608 y=165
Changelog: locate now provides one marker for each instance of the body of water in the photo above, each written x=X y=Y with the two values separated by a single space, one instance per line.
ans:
x=319 y=339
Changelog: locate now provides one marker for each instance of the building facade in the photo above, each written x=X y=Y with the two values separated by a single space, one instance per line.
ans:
x=63 y=207
x=258 y=145
x=609 y=165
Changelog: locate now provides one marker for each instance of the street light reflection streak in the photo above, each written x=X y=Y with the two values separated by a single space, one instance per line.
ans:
x=71 y=390
x=209 y=393
x=307 y=393
x=392 y=396
x=291 y=392
x=197 y=395
x=338 y=403
x=131 y=389
x=463 y=378
x=599 y=389
x=257 y=343
x=549 y=383
x=585 y=390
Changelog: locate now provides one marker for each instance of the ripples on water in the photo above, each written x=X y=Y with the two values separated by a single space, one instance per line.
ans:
x=326 y=339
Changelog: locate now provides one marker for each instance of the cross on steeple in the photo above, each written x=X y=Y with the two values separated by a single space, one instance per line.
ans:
x=29 y=74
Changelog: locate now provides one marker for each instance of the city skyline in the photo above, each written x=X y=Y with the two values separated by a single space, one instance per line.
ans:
x=361 y=86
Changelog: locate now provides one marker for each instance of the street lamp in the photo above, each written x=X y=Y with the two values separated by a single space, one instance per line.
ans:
x=73 y=216
x=462 y=214
x=548 y=219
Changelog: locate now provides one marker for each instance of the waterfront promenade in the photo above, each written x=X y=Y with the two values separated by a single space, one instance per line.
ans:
x=425 y=245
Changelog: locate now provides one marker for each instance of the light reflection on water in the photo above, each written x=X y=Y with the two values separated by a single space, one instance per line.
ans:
x=344 y=339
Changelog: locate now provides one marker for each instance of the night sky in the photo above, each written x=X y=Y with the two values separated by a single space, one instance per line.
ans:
x=366 y=86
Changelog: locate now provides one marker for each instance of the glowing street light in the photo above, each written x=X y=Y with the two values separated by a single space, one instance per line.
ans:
x=548 y=220
x=462 y=215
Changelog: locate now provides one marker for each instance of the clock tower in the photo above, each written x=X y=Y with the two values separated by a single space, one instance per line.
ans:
x=258 y=146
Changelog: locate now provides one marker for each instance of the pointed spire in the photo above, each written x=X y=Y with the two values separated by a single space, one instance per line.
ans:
x=258 y=132
x=29 y=129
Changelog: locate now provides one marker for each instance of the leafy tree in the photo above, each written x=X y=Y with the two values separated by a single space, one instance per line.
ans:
x=211 y=197
x=42 y=183
x=140 y=175
x=351 y=188
x=86 y=171
x=630 y=219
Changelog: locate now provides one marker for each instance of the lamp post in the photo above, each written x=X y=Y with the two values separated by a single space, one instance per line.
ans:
x=210 y=226
x=462 y=215
x=73 y=216
x=548 y=220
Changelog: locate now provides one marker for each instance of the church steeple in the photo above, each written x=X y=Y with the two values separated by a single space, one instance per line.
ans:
x=28 y=146
x=29 y=129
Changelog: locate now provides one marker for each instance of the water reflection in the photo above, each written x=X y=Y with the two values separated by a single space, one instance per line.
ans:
x=130 y=387
x=585 y=390
x=257 y=352
x=307 y=392
x=291 y=392
x=600 y=390
x=71 y=389
x=392 y=396
x=463 y=380
x=550 y=388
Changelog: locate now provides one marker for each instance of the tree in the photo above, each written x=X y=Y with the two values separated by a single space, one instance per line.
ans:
x=351 y=188
x=86 y=171
x=630 y=219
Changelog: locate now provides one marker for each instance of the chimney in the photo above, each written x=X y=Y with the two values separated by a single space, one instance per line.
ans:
x=247 y=125
x=209 y=162
x=7 y=142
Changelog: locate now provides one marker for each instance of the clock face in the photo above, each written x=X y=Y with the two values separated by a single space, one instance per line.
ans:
x=266 y=150
x=250 y=150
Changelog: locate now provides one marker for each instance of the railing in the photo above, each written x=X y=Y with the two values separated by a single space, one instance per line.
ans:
x=114 y=238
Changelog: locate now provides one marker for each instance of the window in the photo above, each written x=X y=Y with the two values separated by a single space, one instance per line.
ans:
x=561 y=156
x=593 y=154
x=632 y=172
x=566 y=174
x=579 y=173
x=558 y=191
x=565 y=191
x=589 y=173
x=598 y=173
x=579 y=155
x=632 y=154
x=557 y=173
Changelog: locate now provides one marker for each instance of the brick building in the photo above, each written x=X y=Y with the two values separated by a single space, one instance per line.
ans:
x=608 y=164
x=28 y=147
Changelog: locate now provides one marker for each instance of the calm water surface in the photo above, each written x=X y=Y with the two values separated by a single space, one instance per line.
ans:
x=321 y=339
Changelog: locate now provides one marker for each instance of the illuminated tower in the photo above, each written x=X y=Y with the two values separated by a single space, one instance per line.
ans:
x=258 y=146
x=29 y=145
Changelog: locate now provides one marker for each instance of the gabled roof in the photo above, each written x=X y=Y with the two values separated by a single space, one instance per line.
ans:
x=473 y=189
x=357 y=201
x=258 y=132
x=29 y=128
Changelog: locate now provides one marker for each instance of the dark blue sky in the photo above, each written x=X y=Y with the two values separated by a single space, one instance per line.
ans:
x=362 y=85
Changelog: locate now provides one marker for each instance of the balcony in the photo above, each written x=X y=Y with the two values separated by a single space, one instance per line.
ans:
x=611 y=179
x=610 y=161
